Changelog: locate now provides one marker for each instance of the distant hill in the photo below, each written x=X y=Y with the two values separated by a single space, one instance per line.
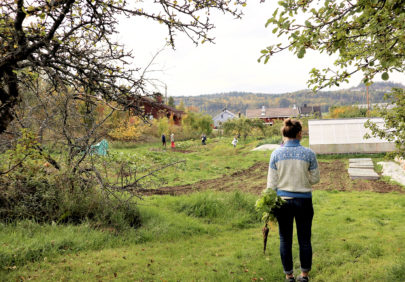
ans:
x=240 y=101
x=378 y=86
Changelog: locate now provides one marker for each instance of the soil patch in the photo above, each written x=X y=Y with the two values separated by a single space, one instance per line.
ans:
x=334 y=176
x=251 y=180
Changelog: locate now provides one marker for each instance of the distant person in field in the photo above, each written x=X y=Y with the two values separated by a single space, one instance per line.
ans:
x=203 y=139
x=234 y=142
x=292 y=170
x=164 y=140
x=172 y=140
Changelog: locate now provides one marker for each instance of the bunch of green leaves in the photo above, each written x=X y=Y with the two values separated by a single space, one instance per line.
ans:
x=394 y=118
x=268 y=204
x=24 y=156
x=367 y=37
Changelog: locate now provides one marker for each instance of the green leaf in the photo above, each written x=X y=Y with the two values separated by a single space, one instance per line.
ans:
x=269 y=21
x=385 y=76
x=301 y=53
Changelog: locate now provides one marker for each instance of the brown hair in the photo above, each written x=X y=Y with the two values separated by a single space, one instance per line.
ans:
x=291 y=128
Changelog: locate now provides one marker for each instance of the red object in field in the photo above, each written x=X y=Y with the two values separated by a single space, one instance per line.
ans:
x=172 y=144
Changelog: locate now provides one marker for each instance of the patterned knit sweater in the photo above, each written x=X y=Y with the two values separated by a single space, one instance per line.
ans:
x=292 y=170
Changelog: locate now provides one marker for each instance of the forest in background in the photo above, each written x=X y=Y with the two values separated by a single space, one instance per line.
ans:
x=240 y=101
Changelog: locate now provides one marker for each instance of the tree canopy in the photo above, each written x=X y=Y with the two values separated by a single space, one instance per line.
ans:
x=367 y=35
x=71 y=43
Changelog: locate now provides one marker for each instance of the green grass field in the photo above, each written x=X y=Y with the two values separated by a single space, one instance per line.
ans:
x=211 y=235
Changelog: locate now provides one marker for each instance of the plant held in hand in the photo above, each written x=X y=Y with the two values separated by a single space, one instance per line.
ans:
x=267 y=205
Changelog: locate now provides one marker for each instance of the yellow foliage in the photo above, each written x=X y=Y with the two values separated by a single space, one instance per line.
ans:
x=338 y=112
x=131 y=129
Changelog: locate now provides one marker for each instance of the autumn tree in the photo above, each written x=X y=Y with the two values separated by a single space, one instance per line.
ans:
x=171 y=102
x=71 y=43
x=243 y=126
x=197 y=123
x=367 y=36
x=347 y=112
x=181 y=106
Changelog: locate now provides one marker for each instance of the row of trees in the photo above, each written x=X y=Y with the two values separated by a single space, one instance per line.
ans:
x=244 y=127
x=240 y=101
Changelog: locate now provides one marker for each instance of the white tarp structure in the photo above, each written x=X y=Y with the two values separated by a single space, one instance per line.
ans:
x=337 y=136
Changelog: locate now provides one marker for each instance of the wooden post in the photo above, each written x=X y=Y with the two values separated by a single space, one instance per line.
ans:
x=166 y=94
x=368 y=101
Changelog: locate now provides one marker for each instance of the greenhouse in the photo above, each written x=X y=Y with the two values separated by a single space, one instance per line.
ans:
x=339 y=136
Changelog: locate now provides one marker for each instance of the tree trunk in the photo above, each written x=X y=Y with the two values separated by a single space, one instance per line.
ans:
x=8 y=97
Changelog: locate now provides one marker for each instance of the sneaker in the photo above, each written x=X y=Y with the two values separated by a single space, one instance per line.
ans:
x=302 y=278
x=292 y=279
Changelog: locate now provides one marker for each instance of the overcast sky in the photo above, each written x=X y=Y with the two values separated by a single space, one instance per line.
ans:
x=228 y=65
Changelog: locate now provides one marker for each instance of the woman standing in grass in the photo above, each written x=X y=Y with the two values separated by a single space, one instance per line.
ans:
x=292 y=170
x=172 y=140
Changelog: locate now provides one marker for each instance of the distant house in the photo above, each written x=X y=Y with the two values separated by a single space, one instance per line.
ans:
x=155 y=108
x=307 y=111
x=269 y=115
x=222 y=117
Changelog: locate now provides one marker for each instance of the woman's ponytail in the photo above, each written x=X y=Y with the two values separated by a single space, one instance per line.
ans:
x=291 y=128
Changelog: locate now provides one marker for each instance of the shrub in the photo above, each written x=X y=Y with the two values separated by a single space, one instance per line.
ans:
x=30 y=188
x=61 y=198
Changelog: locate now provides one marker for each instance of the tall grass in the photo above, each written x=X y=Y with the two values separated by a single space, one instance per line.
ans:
x=162 y=218
x=235 y=209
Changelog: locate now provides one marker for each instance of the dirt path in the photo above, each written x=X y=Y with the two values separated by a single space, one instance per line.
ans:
x=334 y=176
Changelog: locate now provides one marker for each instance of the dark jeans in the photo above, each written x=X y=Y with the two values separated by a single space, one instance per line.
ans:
x=303 y=212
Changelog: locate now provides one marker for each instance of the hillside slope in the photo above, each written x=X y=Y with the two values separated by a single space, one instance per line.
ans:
x=240 y=101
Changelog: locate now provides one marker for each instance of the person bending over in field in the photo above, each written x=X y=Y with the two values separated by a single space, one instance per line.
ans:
x=164 y=140
x=234 y=142
x=292 y=170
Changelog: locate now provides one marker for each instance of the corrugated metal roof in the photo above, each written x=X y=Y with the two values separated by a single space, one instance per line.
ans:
x=341 y=131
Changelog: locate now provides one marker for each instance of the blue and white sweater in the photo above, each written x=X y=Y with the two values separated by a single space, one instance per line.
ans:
x=292 y=170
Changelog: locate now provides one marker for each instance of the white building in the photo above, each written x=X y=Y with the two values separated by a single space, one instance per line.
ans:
x=222 y=117
x=376 y=105
x=338 y=136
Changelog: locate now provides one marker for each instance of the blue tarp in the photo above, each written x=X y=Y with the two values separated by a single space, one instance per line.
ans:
x=101 y=148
